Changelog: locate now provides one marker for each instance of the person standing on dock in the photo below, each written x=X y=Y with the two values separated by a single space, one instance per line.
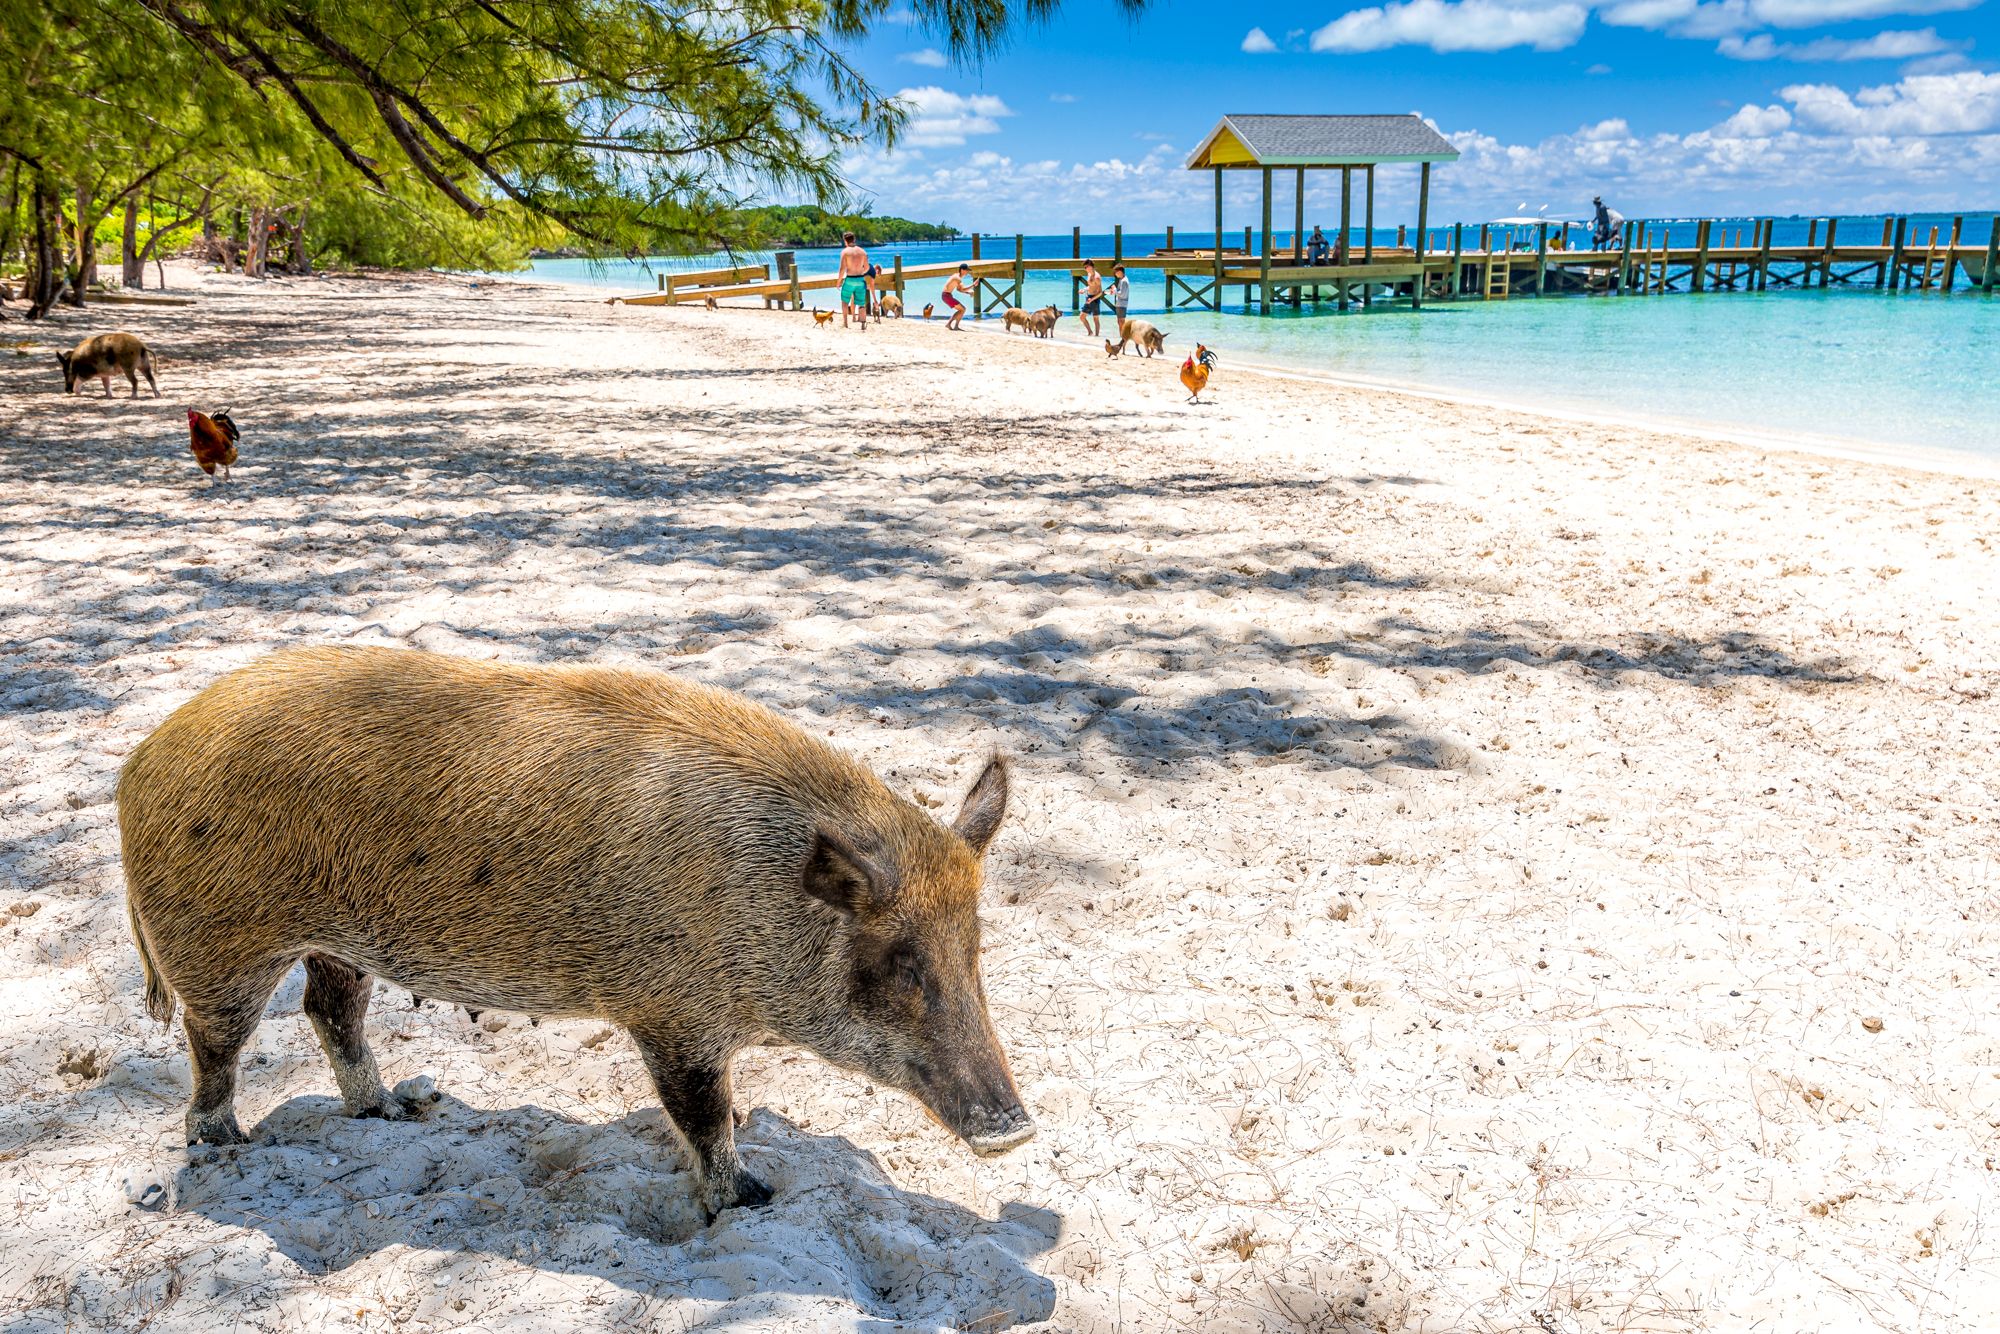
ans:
x=1600 y=224
x=1121 y=295
x=1316 y=247
x=853 y=280
x=1093 y=297
x=959 y=282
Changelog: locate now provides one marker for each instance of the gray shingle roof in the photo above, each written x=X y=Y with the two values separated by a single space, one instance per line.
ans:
x=1291 y=140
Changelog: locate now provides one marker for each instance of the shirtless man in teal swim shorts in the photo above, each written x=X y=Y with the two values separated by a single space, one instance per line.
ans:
x=853 y=281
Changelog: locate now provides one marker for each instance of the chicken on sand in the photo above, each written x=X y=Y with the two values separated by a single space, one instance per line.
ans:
x=1194 y=372
x=213 y=439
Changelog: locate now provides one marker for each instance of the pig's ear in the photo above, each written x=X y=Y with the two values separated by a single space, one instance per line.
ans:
x=840 y=874
x=979 y=818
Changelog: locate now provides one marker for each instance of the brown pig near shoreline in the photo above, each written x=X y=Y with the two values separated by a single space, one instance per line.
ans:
x=664 y=856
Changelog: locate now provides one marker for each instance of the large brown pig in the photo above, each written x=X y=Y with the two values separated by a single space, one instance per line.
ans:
x=557 y=841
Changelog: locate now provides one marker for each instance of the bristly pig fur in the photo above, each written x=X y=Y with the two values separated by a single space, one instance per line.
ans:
x=671 y=858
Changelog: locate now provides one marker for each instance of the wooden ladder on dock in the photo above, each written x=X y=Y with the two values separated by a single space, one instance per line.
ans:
x=1498 y=276
x=1933 y=268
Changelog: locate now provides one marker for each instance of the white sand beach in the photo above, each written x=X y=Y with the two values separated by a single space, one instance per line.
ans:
x=1469 y=870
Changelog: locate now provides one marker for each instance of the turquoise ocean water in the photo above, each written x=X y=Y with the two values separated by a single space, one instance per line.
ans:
x=1913 y=371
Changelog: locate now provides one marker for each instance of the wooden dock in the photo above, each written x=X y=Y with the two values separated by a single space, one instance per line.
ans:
x=1453 y=264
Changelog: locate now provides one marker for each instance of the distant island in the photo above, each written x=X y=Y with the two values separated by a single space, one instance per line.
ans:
x=801 y=225
x=792 y=226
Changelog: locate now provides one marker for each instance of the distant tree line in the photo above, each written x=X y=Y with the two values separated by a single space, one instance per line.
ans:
x=288 y=134
x=808 y=225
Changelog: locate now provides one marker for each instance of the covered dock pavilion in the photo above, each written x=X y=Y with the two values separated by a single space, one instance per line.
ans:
x=1343 y=143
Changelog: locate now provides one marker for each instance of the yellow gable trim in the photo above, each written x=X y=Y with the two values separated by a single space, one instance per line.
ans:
x=1228 y=150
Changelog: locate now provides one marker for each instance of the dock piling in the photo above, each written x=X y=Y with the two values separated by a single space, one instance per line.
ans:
x=1826 y=256
x=1216 y=290
x=1264 y=252
x=1345 y=248
x=1423 y=222
x=1698 y=280
x=1368 y=235
x=1542 y=259
x=1986 y=276
x=1457 y=259
x=1951 y=253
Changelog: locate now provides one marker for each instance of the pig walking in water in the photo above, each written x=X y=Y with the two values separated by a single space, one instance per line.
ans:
x=557 y=841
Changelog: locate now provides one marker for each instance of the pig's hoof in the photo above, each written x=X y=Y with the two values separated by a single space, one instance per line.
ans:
x=743 y=1192
x=751 y=1193
x=218 y=1130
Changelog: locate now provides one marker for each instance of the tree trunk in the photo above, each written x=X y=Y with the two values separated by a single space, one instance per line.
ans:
x=258 y=244
x=134 y=275
x=7 y=213
x=41 y=284
x=302 y=260
x=83 y=271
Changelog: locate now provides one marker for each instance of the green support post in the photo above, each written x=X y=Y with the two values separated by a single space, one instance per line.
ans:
x=1346 y=255
x=1423 y=234
x=1368 y=231
x=1542 y=260
x=1457 y=259
x=1896 y=255
x=1216 y=290
x=1264 y=253
x=1986 y=283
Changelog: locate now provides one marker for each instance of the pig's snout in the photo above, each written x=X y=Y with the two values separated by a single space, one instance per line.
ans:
x=997 y=1132
x=979 y=1104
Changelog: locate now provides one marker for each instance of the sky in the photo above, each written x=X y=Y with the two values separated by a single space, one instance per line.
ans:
x=1668 y=108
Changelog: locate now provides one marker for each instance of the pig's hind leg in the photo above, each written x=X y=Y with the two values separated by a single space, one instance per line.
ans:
x=219 y=1019
x=694 y=1090
x=336 y=1001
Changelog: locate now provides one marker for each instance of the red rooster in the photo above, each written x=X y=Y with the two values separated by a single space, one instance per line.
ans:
x=213 y=440
x=1194 y=372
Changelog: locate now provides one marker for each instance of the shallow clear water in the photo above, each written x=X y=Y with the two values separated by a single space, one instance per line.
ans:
x=1915 y=369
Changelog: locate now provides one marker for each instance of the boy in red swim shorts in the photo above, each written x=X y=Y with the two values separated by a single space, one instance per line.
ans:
x=958 y=283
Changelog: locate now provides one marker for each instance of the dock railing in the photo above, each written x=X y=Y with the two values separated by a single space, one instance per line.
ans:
x=1643 y=258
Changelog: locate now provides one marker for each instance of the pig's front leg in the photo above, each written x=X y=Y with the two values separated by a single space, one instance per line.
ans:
x=694 y=1089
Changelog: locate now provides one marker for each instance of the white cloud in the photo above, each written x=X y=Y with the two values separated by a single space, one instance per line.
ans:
x=928 y=57
x=1723 y=18
x=1646 y=13
x=1754 y=122
x=940 y=118
x=1815 y=147
x=1947 y=63
x=1258 y=42
x=1882 y=46
x=1967 y=102
x=1598 y=69
x=1813 y=13
x=1062 y=97
x=1455 y=25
